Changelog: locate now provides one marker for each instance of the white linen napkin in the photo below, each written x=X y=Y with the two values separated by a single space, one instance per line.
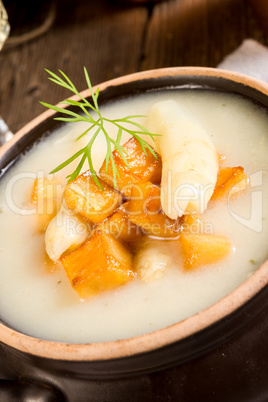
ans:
x=249 y=58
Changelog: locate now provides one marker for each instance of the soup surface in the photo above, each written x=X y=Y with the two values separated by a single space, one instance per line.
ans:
x=43 y=304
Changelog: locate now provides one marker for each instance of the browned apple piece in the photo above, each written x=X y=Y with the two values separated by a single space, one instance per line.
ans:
x=203 y=249
x=119 y=226
x=46 y=196
x=223 y=175
x=144 y=209
x=101 y=263
x=193 y=223
x=86 y=198
x=142 y=168
x=230 y=181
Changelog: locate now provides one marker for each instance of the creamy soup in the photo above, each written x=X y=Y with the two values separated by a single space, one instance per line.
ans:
x=43 y=303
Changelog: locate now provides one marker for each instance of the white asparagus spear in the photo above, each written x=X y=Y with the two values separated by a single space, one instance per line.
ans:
x=153 y=258
x=190 y=161
x=65 y=231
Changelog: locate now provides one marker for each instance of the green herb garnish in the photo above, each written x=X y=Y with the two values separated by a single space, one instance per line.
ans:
x=98 y=125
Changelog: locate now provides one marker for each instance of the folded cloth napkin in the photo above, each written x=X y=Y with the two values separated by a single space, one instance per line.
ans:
x=249 y=58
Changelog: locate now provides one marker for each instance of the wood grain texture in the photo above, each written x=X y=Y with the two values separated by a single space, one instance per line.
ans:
x=113 y=38
x=197 y=32
x=106 y=39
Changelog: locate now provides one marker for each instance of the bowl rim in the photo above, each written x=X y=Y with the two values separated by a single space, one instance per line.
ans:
x=148 y=342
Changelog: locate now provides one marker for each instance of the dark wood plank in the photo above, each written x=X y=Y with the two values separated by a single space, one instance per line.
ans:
x=104 y=37
x=113 y=38
x=260 y=9
x=197 y=32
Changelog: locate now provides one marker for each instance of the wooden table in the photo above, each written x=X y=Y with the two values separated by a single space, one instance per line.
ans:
x=111 y=39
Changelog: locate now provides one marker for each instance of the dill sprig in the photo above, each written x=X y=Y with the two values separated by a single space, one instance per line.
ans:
x=96 y=127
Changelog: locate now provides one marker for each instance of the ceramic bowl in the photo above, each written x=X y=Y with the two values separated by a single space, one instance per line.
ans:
x=199 y=358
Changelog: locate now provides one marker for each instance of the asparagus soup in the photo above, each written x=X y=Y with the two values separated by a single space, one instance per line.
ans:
x=166 y=267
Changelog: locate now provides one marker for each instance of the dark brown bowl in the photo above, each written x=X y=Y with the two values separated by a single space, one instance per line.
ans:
x=218 y=354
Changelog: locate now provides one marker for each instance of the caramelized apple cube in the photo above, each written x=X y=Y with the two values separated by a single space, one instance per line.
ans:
x=84 y=197
x=193 y=223
x=229 y=182
x=202 y=249
x=119 y=226
x=101 y=263
x=46 y=195
x=144 y=209
x=141 y=167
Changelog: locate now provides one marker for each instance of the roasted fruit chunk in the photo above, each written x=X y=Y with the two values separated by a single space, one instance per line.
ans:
x=202 y=249
x=193 y=223
x=141 y=167
x=101 y=263
x=83 y=196
x=119 y=226
x=230 y=181
x=46 y=196
x=144 y=209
